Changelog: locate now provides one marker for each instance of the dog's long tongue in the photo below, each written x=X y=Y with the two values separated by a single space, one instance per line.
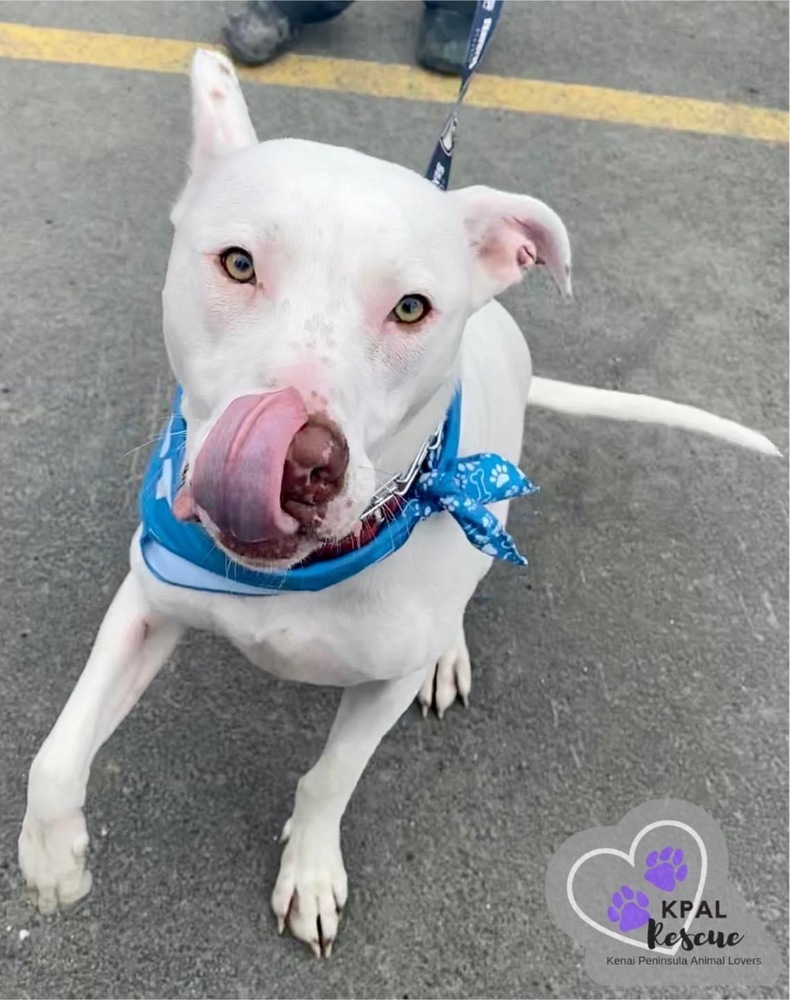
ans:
x=238 y=473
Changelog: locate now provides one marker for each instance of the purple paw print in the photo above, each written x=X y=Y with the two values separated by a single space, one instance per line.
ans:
x=664 y=870
x=629 y=909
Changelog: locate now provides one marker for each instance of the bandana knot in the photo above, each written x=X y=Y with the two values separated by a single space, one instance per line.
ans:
x=463 y=489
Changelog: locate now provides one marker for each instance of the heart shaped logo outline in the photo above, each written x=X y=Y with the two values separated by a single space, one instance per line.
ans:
x=631 y=859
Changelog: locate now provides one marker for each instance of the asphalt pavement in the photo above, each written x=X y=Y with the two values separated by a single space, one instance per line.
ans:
x=644 y=653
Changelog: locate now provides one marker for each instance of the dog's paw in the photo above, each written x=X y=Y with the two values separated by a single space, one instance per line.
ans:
x=449 y=678
x=311 y=887
x=52 y=859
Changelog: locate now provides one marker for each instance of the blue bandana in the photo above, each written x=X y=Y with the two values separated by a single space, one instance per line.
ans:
x=182 y=553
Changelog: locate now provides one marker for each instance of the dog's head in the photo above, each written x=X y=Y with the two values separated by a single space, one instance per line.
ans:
x=313 y=310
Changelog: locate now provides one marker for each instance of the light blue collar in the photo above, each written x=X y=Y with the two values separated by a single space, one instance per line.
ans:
x=182 y=553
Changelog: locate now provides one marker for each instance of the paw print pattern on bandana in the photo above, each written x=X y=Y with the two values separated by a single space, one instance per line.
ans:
x=451 y=504
x=500 y=475
x=465 y=487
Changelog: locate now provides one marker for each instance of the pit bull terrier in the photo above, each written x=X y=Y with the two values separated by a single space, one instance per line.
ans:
x=335 y=477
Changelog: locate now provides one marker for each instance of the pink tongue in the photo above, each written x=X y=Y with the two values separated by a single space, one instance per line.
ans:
x=238 y=473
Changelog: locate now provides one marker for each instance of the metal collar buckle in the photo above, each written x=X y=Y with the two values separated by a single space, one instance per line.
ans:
x=400 y=485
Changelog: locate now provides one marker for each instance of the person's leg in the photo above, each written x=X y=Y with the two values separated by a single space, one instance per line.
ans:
x=444 y=35
x=311 y=11
x=465 y=7
x=266 y=27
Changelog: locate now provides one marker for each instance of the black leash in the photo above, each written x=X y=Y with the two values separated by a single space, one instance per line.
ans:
x=486 y=16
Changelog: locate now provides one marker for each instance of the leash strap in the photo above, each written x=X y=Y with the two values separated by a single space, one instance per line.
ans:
x=486 y=16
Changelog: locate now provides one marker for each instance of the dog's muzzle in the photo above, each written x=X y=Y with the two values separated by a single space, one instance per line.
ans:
x=266 y=471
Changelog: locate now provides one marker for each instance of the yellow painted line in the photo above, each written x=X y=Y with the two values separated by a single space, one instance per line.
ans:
x=538 y=97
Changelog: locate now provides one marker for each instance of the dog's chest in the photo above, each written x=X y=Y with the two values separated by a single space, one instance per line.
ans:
x=329 y=638
x=302 y=655
x=318 y=642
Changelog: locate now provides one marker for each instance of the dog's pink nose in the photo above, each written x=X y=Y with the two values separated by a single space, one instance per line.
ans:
x=315 y=465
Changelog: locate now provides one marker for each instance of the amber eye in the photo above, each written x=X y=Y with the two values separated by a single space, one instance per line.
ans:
x=411 y=309
x=237 y=264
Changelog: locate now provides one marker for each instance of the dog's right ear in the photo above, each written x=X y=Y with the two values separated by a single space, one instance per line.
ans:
x=220 y=120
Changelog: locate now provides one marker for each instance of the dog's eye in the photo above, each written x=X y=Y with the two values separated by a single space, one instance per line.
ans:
x=237 y=264
x=411 y=309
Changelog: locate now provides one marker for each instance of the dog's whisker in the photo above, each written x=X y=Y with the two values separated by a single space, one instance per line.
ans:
x=379 y=472
x=145 y=444
x=139 y=447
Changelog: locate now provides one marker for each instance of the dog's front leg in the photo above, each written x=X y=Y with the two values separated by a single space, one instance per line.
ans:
x=133 y=642
x=311 y=887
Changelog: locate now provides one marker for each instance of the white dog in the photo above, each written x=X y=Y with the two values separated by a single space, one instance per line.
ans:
x=320 y=309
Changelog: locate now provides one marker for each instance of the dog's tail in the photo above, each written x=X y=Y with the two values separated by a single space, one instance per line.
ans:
x=585 y=401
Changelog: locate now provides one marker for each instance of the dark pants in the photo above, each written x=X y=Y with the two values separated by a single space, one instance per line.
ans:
x=314 y=11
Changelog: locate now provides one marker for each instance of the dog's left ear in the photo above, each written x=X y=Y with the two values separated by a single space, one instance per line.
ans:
x=508 y=234
x=220 y=119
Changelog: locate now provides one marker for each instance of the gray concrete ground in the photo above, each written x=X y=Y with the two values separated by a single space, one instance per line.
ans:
x=642 y=655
